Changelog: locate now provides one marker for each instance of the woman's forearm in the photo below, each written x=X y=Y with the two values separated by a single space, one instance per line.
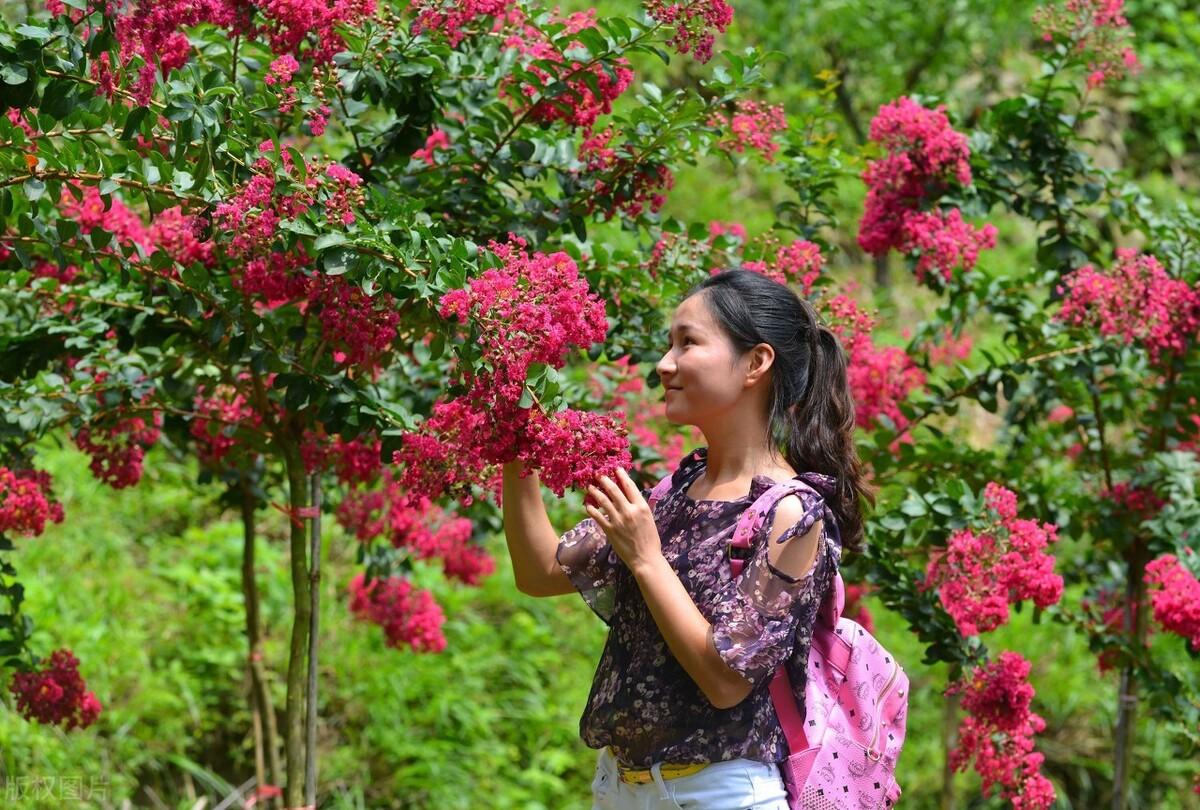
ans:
x=688 y=634
x=532 y=541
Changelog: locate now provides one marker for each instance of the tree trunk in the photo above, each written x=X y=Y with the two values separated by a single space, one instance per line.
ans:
x=1135 y=628
x=310 y=762
x=301 y=616
x=266 y=735
x=882 y=278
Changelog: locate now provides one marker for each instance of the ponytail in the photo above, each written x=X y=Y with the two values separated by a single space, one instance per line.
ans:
x=819 y=432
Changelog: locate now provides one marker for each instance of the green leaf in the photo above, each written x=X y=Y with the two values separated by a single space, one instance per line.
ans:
x=329 y=240
x=523 y=149
x=182 y=181
x=133 y=122
x=337 y=261
x=14 y=73
x=34 y=189
x=34 y=32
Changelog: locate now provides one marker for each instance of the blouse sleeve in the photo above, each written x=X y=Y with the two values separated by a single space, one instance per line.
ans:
x=756 y=614
x=592 y=565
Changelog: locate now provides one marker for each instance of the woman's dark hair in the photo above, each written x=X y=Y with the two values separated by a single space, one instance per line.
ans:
x=811 y=411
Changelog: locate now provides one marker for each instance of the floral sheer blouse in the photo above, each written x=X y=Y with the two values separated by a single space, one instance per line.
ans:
x=642 y=702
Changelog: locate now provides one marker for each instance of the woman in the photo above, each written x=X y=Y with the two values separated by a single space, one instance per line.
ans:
x=680 y=707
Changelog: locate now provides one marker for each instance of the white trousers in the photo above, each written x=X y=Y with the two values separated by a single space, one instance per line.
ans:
x=735 y=784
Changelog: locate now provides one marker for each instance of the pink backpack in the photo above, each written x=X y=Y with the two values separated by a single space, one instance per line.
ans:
x=844 y=749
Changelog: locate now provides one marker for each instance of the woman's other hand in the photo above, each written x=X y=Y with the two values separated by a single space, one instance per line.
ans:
x=626 y=519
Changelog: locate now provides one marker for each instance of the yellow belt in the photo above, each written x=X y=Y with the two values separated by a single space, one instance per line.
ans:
x=641 y=776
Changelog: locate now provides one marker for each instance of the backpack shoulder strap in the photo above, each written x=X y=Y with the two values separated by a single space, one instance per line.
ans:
x=825 y=640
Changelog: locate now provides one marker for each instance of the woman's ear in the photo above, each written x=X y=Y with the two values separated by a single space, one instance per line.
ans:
x=762 y=357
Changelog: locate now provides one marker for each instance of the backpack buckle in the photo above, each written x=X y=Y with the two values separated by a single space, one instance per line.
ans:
x=737 y=552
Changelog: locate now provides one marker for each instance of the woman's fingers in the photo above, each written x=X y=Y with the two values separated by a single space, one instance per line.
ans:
x=614 y=492
x=627 y=485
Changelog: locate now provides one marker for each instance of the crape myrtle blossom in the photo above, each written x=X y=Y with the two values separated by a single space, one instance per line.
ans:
x=117 y=439
x=279 y=75
x=438 y=140
x=924 y=157
x=694 y=22
x=880 y=377
x=56 y=694
x=451 y=18
x=1175 y=596
x=752 y=126
x=1095 y=33
x=26 y=502
x=154 y=34
x=408 y=615
x=997 y=732
x=534 y=308
x=622 y=183
x=590 y=86
x=800 y=263
x=1163 y=320
x=416 y=525
x=998 y=561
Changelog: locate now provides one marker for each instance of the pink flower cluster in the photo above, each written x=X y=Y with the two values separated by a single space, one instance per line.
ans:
x=439 y=139
x=1176 y=600
x=354 y=461
x=622 y=184
x=590 y=87
x=253 y=212
x=89 y=211
x=361 y=327
x=57 y=694
x=116 y=442
x=280 y=74
x=694 y=22
x=1166 y=317
x=451 y=17
x=220 y=413
x=289 y=24
x=1094 y=32
x=406 y=614
x=946 y=349
x=997 y=732
x=734 y=229
x=924 y=157
x=533 y=308
x=799 y=262
x=752 y=126
x=880 y=377
x=1138 y=502
x=154 y=31
x=416 y=525
x=1000 y=561
x=173 y=232
x=179 y=235
x=26 y=502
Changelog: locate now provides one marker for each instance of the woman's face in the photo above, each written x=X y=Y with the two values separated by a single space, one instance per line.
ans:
x=700 y=375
